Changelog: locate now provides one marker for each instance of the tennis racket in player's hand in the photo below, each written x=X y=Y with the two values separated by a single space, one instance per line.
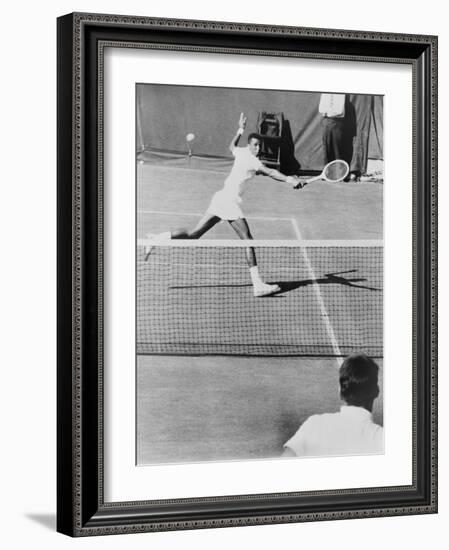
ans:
x=242 y=121
x=333 y=172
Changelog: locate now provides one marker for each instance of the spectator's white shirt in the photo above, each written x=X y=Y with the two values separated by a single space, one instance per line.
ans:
x=332 y=105
x=348 y=432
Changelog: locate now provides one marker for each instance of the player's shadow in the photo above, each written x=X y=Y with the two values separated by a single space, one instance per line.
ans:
x=326 y=279
x=287 y=286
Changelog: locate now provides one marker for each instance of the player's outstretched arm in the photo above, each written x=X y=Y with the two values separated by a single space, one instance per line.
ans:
x=236 y=138
x=276 y=175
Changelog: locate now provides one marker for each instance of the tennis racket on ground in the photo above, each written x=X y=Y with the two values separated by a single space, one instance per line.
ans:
x=333 y=172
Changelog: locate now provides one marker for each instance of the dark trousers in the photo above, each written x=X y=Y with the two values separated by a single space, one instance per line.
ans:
x=333 y=139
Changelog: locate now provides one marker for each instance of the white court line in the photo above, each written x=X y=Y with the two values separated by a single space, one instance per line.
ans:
x=185 y=168
x=257 y=243
x=242 y=268
x=199 y=215
x=324 y=314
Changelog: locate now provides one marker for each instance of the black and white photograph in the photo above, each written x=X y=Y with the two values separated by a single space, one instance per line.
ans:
x=157 y=394
x=246 y=275
x=259 y=274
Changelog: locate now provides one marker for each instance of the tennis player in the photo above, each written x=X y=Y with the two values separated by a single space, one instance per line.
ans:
x=226 y=204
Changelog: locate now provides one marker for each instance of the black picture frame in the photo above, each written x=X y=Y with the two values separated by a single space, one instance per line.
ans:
x=81 y=510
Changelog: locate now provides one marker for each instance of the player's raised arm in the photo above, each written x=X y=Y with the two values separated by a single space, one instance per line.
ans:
x=236 y=138
x=276 y=175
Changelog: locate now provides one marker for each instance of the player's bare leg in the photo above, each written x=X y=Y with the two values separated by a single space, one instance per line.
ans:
x=203 y=226
x=241 y=227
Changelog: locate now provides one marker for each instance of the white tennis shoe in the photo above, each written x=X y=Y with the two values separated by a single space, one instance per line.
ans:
x=263 y=289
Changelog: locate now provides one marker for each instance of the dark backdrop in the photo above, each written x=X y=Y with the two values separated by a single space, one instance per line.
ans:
x=166 y=113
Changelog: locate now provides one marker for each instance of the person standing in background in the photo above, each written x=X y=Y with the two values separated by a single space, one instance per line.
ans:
x=332 y=109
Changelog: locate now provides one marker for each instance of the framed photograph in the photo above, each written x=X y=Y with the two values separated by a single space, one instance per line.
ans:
x=247 y=280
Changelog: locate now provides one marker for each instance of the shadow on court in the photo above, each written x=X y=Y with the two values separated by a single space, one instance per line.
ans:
x=288 y=286
x=328 y=279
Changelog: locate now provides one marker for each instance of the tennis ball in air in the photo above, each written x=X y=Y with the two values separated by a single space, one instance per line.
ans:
x=190 y=137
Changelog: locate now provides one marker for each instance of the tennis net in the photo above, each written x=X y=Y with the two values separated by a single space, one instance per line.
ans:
x=198 y=300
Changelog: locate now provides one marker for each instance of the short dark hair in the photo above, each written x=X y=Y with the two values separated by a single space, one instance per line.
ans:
x=253 y=135
x=359 y=380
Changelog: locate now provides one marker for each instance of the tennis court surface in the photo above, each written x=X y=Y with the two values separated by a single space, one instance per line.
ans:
x=196 y=300
x=193 y=409
x=222 y=375
x=170 y=197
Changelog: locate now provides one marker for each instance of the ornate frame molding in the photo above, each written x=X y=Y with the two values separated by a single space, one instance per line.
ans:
x=81 y=510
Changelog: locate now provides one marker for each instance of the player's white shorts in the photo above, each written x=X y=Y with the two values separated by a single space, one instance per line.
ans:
x=226 y=206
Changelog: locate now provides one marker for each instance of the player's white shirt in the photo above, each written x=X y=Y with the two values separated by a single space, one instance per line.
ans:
x=244 y=168
x=348 y=432
x=226 y=203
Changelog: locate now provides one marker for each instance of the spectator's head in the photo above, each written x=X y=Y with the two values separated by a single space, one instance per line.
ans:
x=359 y=381
x=254 y=143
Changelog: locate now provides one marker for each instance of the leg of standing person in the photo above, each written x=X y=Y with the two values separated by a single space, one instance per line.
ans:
x=333 y=143
x=336 y=139
x=326 y=135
